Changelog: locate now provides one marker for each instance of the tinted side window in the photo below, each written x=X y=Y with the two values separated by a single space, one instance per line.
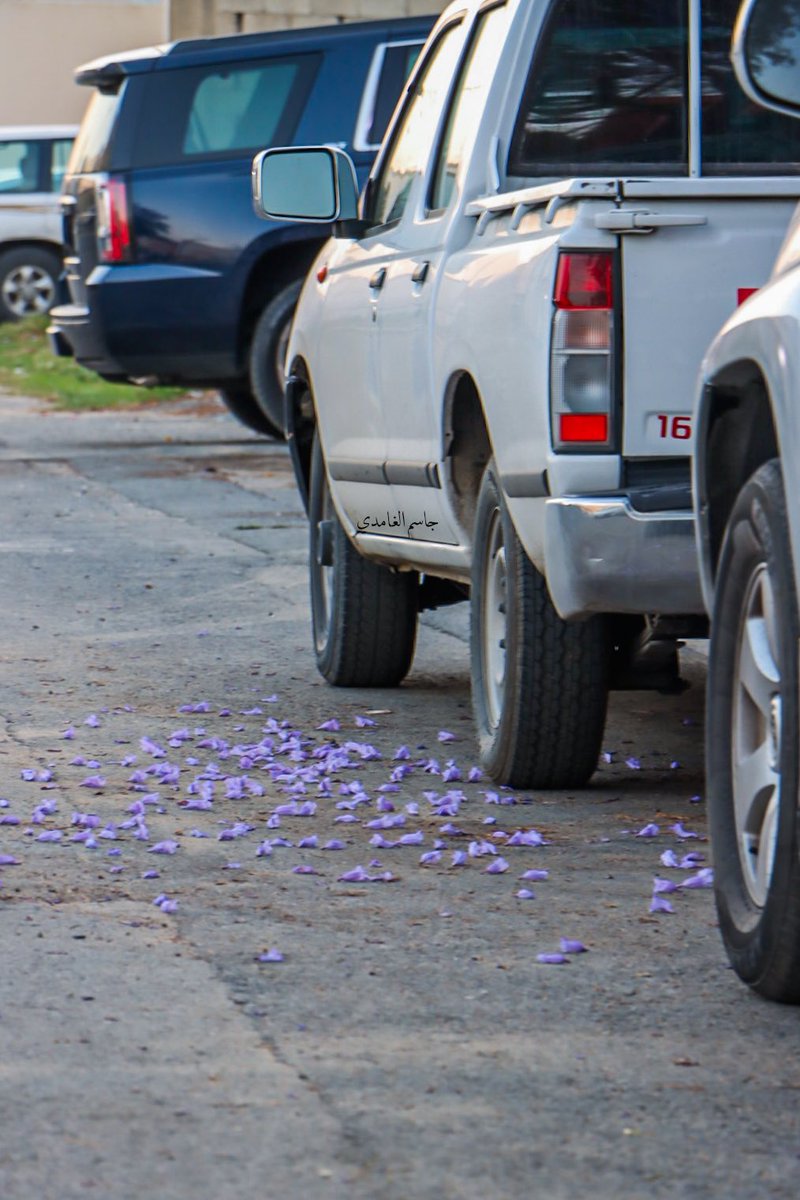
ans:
x=412 y=140
x=738 y=136
x=396 y=64
x=21 y=166
x=607 y=87
x=93 y=143
x=468 y=102
x=61 y=151
x=207 y=112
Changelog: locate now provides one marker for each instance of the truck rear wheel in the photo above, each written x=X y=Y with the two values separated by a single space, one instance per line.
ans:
x=539 y=683
x=242 y=404
x=364 y=615
x=28 y=282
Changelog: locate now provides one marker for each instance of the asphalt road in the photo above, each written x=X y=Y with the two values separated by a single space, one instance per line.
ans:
x=159 y=704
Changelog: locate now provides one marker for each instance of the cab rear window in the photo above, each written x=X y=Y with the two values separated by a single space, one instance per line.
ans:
x=609 y=90
x=228 y=110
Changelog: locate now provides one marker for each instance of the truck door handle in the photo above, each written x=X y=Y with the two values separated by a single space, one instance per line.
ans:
x=378 y=280
x=421 y=272
x=619 y=221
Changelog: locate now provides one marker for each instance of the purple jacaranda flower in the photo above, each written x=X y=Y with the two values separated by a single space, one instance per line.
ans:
x=345 y=819
x=450 y=772
x=478 y=848
x=50 y=835
x=237 y=830
x=703 y=879
x=141 y=832
x=383 y=805
x=151 y=875
x=607 y=756
x=663 y=885
x=526 y=837
x=496 y=798
x=412 y=839
x=198 y=804
x=198 y=833
x=497 y=866
x=525 y=894
x=28 y=774
x=169 y=906
x=250 y=712
x=330 y=726
x=304 y=869
x=691 y=860
x=308 y=843
x=633 y=763
x=359 y=875
x=669 y=859
x=552 y=959
x=152 y=748
x=77 y=761
x=232 y=866
x=270 y=956
x=660 y=904
x=333 y=844
x=380 y=842
x=388 y=821
x=163 y=848
x=10 y=819
x=364 y=722
x=444 y=735
x=695 y=799
x=8 y=860
x=430 y=766
x=108 y=831
x=459 y=859
x=93 y=781
x=452 y=830
x=682 y=833
x=69 y=734
x=475 y=775
x=87 y=837
x=375 y=863
x=92 y=720
x=430 y=857
x=402 y=752
x=264 y=850
x=412 y=808
x=114 y=852
x=273 y=822
x=648 y=831
x=571 y=946
x=85 y=820
x=673 y=766
x=279 y=841
x=535 y=874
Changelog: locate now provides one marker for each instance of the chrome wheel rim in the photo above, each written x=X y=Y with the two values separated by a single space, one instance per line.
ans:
x=322 y=575
x=494 y=622
x=756 y=741
x=28 y=291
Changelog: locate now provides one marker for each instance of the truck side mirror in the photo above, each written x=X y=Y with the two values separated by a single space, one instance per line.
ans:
x=766 y=53
x=309 y=183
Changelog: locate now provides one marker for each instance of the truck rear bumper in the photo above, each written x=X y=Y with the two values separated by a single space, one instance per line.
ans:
x=602 y=555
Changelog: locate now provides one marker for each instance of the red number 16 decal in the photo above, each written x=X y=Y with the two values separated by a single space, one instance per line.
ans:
x=674 y=427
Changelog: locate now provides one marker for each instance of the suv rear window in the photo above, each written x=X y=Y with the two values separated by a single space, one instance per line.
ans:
x=608 y=90
x=236 y=109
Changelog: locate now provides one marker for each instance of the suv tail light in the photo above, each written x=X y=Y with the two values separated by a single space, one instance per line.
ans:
x=113 y=221
x=582 y=371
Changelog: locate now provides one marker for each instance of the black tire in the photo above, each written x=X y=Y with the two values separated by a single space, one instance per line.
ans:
x=28 y=282
x=752 y=744
x=539 y=683
x=364 y=616
x=242 y=404
x=268 y=352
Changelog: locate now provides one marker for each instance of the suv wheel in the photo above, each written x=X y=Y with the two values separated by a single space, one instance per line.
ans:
x=364 y=615
x=751 y=742
x=242 y=404
x=28 y=281
x=539 y=683
x=268 y=352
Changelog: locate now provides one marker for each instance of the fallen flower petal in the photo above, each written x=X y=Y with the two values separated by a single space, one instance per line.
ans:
x=525 y=894
x=649 y=831
x=663 y=885
x=432 y=856
x=497 y=866
x=682 y=833
x=163 y=848
x=304 y=869
x=669 y=859
x=571 y=946
x=552 y=959
x=659 y=904
x=534 y=874
x=703 y=879
x=270 y=956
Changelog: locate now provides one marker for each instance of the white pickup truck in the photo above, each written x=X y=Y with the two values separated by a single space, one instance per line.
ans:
x=493 y=362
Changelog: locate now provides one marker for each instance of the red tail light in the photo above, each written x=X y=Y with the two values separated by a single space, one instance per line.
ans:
x=113 y=221
x=582 y=376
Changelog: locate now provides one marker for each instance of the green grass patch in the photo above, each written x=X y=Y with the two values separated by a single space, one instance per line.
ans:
x=29 y=368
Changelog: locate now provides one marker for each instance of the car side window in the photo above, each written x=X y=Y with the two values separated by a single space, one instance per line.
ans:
x=410 y=148
x=739 y=137
x=468 y=102
x=21 y=167
x=393 y=62
x=607 y=87
x=61 y=151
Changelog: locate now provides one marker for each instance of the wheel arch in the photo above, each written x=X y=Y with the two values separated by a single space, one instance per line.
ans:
x=24 y=243
x=467 y=445
x=300 y=420
x=737 y=433
x=275 y=268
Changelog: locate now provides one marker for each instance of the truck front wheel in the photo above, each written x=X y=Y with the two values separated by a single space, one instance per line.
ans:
x=364 y=615
x=539 y=683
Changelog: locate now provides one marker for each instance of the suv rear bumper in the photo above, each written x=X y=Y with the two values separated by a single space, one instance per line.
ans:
x=603 y=555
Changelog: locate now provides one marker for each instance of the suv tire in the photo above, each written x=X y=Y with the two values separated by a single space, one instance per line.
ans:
x=242 y=404
x=364 y=615
x=28 y=282
x=539 y=683
x=268 y=352
x=751 y=742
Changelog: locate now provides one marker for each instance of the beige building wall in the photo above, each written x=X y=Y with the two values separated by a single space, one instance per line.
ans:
x=202 y=18
x=42 y=41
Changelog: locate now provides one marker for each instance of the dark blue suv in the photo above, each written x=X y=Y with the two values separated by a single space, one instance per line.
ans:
x=172 y=277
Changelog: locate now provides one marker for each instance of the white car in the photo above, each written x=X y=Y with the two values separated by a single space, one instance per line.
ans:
x=746 y=479
x=33 y=159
